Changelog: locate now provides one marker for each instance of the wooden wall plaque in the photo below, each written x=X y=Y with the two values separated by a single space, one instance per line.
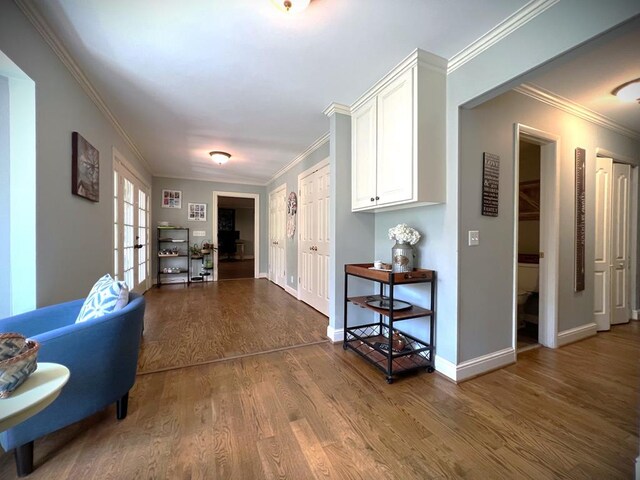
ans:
x=490 y=184
x=580 y=216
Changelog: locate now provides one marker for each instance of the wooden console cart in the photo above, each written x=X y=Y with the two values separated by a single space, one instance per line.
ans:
x=374 y=341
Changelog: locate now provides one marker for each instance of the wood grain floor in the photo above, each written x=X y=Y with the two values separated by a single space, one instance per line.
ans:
x=319 y=412
x=214 y=320
x=232 y=269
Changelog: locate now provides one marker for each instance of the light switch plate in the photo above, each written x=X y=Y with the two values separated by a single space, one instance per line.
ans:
x=474 y=238
x=199 y=233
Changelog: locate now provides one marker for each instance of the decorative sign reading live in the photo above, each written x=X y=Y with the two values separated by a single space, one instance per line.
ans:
x=580 y=209
x=490 y=184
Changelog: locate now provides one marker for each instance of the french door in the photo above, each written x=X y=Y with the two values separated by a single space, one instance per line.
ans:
x=313 y=245
x=131 y=252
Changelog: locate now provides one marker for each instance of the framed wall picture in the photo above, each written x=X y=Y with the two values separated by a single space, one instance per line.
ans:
x=85 y=168
x=171 y=199
x=197 y=212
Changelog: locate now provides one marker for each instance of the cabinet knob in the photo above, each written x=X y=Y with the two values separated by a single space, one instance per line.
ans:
x=373 y=199
x=377 y=198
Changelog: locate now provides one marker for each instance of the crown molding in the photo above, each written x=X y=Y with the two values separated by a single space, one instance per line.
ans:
x=63 y=54
x=500 y=31
x=201 y=179
x=310 y=149
x=337 y=108
x=564 y=104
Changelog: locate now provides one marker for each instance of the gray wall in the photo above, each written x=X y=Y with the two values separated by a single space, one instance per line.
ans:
x=198 y=191
x=486 y=272
x=5 y=253
x=290 y=179
x=245 y=225
x=74 y=235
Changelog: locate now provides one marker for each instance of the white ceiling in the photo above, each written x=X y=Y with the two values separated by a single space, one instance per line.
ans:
x=187 y=77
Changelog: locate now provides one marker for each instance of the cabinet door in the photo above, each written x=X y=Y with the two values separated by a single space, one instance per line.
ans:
x=396 y=166
x=363 y=165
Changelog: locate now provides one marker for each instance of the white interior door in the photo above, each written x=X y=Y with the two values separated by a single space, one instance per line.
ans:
x=620 y=252
x=602 y=263
x=131 y=252
x=313 y=238
x=277 y=236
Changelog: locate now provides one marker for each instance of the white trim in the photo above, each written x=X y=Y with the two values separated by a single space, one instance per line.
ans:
x=310 y=149
x=566 y=105
x=263 y=275
x=119 y=159
x=445 y=367
x=256 y=227
x=309 y=171
x=500 y=31
x=577 y=333
x=334 y=108
x=58 y=48
x=202 y=179
x=635 y=314
x=336 y=335
x=549 y=229
x=485 y=363
x=291 y=291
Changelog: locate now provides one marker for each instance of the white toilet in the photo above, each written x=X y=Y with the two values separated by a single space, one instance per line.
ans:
x=527 y=283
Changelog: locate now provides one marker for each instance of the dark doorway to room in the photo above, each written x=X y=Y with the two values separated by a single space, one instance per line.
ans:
x=236 y=229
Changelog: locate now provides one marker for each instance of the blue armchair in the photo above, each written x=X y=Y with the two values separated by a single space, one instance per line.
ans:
x=102 y=355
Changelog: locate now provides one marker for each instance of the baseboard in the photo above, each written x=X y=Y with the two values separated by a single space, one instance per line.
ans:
x=635 y=314
x=484 y=364
x=336 y=335
x=446 y=368
x=291 y=291
x=262 y=275
x=575 y=334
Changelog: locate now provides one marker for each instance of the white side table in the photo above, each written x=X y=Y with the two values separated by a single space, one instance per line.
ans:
x=41 y=388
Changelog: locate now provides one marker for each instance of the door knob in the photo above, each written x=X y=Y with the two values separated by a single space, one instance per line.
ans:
x=377 y=198
x=373 y=199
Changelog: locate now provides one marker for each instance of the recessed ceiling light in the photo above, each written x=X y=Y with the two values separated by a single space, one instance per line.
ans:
x=292 y=6
x=220 y=157
x=628 y=92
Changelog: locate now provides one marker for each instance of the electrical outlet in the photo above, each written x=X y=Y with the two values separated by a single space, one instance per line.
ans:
x=199 y=233
x=291 y=281
x=474 y=238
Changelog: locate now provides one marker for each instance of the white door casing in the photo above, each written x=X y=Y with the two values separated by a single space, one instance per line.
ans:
x=620 y=251
x=277 y=236
x=131 y=217
x=313 y=237
x=602 y=260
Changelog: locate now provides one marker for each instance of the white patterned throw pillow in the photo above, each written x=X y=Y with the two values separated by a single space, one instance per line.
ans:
x=106 y=296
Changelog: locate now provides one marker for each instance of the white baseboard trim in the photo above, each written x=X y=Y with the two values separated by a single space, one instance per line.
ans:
x=446 y=368
x=485 y=363
x=262 y=275
x=577 y=333
x=635 y=314
x=336 y=335
x=291 y=291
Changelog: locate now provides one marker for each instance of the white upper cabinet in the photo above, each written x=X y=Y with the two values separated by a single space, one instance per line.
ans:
x=398 y=137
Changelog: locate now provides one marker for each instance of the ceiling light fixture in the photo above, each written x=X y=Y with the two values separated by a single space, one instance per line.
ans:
x=628 y=92
x=292 y=6
x=220 y=157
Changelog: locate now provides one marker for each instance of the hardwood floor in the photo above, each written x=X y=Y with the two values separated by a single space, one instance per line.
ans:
x=232 y=269
x=215 y=320
x=320 y=412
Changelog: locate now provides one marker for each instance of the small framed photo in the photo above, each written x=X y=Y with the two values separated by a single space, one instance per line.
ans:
x=171 y=199
x=198 y=212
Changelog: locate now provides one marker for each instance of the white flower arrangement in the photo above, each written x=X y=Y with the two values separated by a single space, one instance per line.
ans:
x=404 y=234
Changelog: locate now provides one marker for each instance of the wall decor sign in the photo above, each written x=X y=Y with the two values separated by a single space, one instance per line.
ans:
x=580 y=218
x=292 y=209
x=171 y=199
x=85 y=168
x=490 y=184
x=197 y=212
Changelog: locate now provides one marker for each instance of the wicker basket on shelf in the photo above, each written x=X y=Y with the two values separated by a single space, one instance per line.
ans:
x=18 y=357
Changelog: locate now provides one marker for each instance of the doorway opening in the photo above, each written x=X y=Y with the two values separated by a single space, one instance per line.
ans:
x=536 y=239
x=236 y=234
x=528 y=244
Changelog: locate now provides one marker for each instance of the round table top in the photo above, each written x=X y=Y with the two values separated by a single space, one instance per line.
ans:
x=37 y=392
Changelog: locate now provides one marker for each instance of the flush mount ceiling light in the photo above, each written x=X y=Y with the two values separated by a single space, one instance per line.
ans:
x=628 y=92
x=220 y=157
x=292 y=6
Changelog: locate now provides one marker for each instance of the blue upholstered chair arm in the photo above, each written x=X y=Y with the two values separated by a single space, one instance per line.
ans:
x=102 y=356
x=43 y=319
